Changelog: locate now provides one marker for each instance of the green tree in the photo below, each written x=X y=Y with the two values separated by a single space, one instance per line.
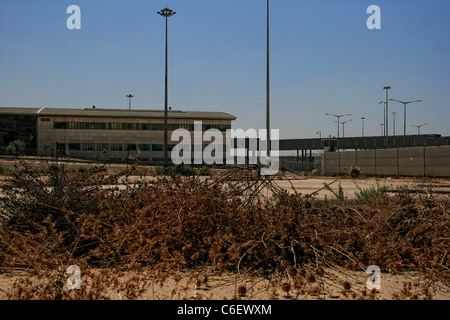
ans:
x=15 y=148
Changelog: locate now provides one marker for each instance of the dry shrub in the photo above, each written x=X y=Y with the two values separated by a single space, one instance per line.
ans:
x=230 y=223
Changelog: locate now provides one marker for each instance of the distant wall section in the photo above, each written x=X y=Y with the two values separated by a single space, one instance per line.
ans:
x=433 y=161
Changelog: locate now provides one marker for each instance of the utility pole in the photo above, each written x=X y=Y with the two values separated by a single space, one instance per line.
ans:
x=268 y=86
x=386 y=126
x=129 y=96
x=166 y=12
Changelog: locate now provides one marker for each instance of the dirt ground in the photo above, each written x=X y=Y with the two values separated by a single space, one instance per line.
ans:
x=297 y=183
x=225 y=286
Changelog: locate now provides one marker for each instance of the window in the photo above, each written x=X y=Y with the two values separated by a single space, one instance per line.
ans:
x=102 y=146
x=74 y=146
x=116 y=147
x=144 y=147
x=88 y=147
x=134 y=126
x=59 y=125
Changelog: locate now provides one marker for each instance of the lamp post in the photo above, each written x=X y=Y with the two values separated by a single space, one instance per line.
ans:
x=166 y=12
x=362 y=124
x=129 y=96
x=382 y=129
x=338 y=117
x=393 y=122
x=418 y=127
x=267 y=84
x=404 y=111
x=343 y=127
x=386 y=126
x=384 y=112
x=320 y=134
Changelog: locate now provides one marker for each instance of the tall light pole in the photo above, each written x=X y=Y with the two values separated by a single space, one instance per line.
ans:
x=386 y=126
x=362 y=129
x=268 y=86
x=418 y=127
x=343 y=127
x=393 y=122
x=382 y=128
x=338 y=117
x=404 y=111
x=320 y=134
x=166 y=12
x=384 y=113
x=129 y=96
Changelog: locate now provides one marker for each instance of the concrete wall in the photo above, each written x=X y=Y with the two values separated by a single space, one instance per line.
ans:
x=418 y=161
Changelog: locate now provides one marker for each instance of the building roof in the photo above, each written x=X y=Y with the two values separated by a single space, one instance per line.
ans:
x=116 y=113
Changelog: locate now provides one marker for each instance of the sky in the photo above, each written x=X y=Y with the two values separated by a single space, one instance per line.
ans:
x=323 y=59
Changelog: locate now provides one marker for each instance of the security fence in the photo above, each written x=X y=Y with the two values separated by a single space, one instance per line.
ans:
x=432 y=161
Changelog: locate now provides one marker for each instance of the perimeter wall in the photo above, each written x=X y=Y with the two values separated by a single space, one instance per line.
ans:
x=433 y=161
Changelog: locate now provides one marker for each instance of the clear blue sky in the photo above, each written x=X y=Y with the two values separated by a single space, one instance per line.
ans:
x=323 y=59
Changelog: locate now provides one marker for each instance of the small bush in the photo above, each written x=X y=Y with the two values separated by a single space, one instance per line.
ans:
x=183 y=170
x=179 y=169
x=371 y=193
x=53 y=168
x=15 y=148
x=4 y=170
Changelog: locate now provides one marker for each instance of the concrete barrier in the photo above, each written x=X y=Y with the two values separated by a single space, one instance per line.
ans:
x=433 y=161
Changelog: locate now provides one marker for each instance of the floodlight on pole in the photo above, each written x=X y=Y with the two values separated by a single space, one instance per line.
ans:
x=386 y=126
x=343 y=127
x=418 y=127
x=166 y=12
x=362 y=128
x=267 y=83
x=129 y=96
x=384 y=113
x=393 y=122
x=338 y=117
x=404 y=111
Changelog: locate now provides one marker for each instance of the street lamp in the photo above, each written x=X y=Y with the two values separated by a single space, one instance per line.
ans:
x=386 y=126
x=338 y=116
x=382 y=125
x=267 y=85
x=343 y=127
x=362 y=129
x=166 y=12
x=418 y=127
x=393 y=115
x=129 y=96
x=404 y=112
x=320 y=134
x=384 y=112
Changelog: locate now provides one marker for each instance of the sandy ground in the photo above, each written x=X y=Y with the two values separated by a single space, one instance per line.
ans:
x=296 y=183
x=225 y=286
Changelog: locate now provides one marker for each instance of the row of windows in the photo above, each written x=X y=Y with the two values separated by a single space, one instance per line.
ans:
x=124 y=147
x=135 y=126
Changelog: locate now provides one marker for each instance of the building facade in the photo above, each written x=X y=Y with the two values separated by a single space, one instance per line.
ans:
x=102 y=134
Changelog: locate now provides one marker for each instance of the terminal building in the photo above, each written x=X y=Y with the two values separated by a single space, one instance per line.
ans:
x=101 y=134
